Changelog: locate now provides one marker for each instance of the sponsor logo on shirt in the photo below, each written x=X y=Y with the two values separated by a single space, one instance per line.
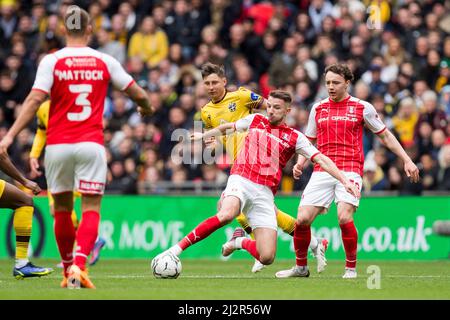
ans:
x=338 y=118
x=90 y=186
x=81 y=62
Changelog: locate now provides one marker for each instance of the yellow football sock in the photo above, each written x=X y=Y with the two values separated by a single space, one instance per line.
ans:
x=23 y=220
x=242 y=219
x=286 y=222
x=74 y=219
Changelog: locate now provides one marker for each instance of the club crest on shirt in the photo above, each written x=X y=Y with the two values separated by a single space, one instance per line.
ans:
x=351 y=109
x=285 y=136
x=232 y=106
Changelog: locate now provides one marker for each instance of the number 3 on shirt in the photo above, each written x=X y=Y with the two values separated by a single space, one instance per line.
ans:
x=83 y=91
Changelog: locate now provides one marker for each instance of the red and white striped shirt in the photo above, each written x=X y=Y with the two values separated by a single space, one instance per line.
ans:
x=267 y=149
x=338 y=128
x=77 y=78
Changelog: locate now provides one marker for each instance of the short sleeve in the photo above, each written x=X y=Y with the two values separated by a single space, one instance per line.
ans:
x=44 y=75
x=372 y=119
x=305 y=147
x=311 y=129
x=119 y=77
x=244 y=123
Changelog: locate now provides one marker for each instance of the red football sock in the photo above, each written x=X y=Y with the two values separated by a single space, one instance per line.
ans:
x=86 y=236
x=350 y=241
x=250 y=246
x=203 y=230
x=65 y=237
x=302 y=238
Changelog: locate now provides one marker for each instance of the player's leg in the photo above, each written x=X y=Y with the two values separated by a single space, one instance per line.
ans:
x=64 y=229
x=349 y=237
x=86 y=235
x=266 y=245
x=243 y=222
x=229 y=209
x=88 y=229
x=59 y=163
x=22 y=204
x=316 y=198
x=260 y=213
x=346 y=208
x=286 y=223
x=90 y=168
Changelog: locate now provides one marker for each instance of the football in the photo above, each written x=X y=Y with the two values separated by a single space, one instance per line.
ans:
x=166 y=266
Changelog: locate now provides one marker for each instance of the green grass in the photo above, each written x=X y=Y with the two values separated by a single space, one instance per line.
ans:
x=214 y=279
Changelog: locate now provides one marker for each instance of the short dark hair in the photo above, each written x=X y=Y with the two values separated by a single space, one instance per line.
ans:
x=340 y=69
x=210 y=68
x=76 y=21
x=281 y=94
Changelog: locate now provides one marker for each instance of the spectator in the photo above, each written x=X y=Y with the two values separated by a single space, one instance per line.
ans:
x=150 y=43
x=405 y=121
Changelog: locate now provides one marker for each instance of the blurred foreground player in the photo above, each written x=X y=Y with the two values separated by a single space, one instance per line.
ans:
x=76 y=78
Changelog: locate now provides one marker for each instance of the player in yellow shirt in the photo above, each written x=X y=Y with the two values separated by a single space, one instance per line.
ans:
x=12 y=197
x=226 y=106
x=36 y=150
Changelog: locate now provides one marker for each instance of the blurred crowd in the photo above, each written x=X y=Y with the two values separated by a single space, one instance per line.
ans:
x=399 y=51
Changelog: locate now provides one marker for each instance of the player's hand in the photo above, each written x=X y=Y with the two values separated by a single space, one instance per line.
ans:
x=196 y=136
x=34 y=166
x=211 y=142
x=412 y=172
x=352 y=188
x=297 y=171
x=144 y=112
x=4 y=145
x=33 y=186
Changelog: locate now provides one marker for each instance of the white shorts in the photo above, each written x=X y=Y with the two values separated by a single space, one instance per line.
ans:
x=76 y=167
x=257 y=201
x=322 y=188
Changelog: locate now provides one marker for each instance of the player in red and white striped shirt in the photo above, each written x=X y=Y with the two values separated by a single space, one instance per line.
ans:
x=255 y=176
x=336 y=125
x=76 y=78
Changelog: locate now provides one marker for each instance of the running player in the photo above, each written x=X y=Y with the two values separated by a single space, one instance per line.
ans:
x=227 y=107
x=36 y=150
x=255 y=177
x=76 y=78
x=336 y=125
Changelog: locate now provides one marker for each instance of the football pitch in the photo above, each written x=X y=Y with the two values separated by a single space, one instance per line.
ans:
x=232 y=280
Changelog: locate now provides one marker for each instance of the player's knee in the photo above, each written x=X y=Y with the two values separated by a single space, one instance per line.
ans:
x=267 y=258
x=303 y=221
x=344 y=219
x=225 y=216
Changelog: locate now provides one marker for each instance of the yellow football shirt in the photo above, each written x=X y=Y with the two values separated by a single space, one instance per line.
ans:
x=234 y=106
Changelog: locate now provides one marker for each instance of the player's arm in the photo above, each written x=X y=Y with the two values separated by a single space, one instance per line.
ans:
x=310 y=133
x=374 y=123
x=39 y=141
x=389 y=140
x=123 y=81
x=7 y=167
x=226 y=128
x=223 y=129
x=28 y=112
x=138 y=95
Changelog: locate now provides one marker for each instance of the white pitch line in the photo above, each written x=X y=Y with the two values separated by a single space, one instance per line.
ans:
x=260 y=277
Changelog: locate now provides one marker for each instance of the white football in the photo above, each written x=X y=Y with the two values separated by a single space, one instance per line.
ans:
x=166 y=266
